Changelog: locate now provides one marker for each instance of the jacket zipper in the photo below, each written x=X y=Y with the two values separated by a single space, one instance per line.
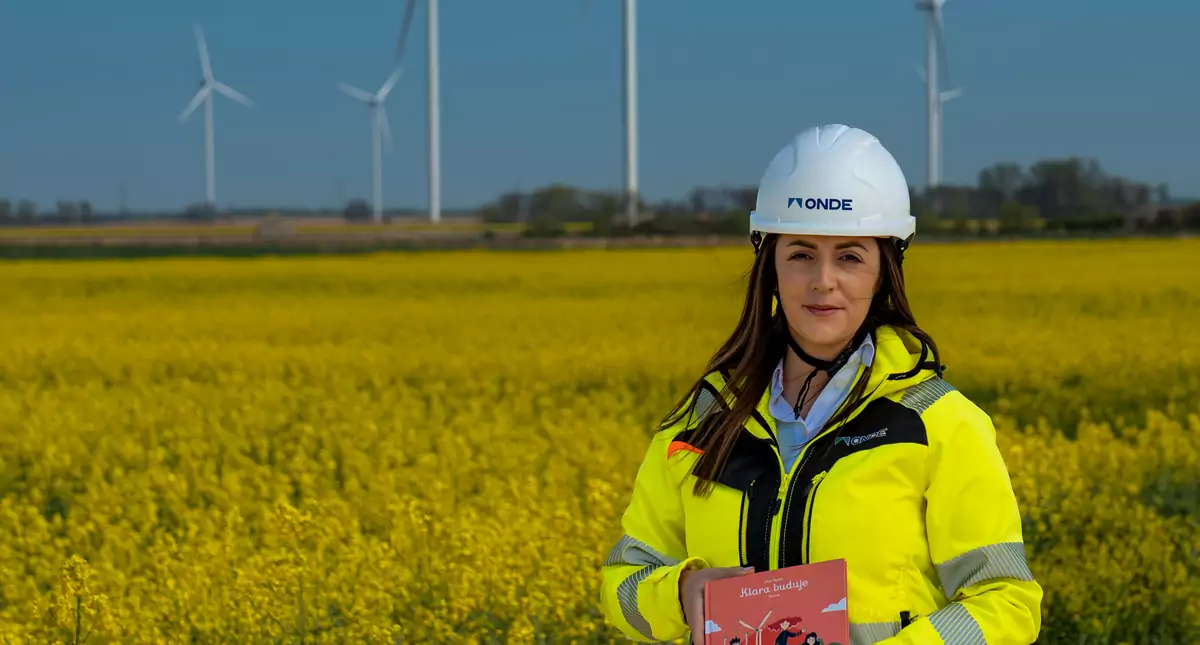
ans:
x=808 y=515
x=806 y=452
x=742 y=554
x=776 y=538
x=773 y=542
x=786 y=489
x=777 y=505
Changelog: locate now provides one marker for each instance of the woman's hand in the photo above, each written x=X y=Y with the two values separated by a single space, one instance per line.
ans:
x=691 y=594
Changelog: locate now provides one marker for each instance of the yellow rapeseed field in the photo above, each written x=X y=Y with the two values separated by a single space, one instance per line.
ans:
x=436 y=448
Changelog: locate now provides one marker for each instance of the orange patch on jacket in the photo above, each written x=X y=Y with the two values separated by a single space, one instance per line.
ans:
x=676 y=446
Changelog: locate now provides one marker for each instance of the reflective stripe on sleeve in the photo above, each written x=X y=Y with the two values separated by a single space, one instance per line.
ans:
x=871 y=633
x=956 y=626
x=627 y=595
x=919 y=397
x=1003 y=560
x=630 y=551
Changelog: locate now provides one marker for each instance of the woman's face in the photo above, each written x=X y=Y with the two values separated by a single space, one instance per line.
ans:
x=826 y=285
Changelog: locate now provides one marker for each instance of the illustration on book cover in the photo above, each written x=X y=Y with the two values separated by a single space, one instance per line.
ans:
x=798 y=605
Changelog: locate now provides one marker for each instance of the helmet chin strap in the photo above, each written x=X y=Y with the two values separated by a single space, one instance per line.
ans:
x=819 y=365
x=902 y=246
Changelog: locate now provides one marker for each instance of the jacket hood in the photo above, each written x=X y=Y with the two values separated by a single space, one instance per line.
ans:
x=901 y=361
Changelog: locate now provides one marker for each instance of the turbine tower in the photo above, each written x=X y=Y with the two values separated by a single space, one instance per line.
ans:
x=629 y=66
x=433 y=101
x=935 y=58
x=629 y=18
x=208 y=85
x=379 y=129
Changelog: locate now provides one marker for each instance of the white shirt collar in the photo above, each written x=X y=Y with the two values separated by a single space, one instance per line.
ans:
x=831 y=396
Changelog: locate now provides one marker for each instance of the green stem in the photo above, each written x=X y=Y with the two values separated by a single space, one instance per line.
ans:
x=302 y=623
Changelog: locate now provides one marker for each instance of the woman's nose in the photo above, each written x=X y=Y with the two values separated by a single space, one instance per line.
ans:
x=824 y=278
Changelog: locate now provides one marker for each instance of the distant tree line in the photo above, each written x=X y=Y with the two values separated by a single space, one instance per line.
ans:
x=1055 y=196
x=26 y=212
x=1068 y=195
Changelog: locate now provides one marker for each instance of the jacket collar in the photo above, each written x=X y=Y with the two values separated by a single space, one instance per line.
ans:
x=897 y=352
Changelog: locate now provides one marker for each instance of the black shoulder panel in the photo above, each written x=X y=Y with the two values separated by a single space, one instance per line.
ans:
x=883 y=422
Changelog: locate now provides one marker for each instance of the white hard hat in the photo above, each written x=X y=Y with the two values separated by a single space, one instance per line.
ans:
x=834 y=180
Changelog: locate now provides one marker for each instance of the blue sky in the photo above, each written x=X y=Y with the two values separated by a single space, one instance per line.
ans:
x=90 y=93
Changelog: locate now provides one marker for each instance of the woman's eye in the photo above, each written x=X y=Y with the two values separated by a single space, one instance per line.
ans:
x=799 y=256
x=850 y=257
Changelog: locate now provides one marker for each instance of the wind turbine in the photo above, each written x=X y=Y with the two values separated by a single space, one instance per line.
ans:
x=208 y=85
x=935 y=58
x=379 y=128
x=757 y=630
x=433 y=107
x=629 y=61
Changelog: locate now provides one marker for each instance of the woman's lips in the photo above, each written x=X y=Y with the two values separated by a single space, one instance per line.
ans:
x=821 y=310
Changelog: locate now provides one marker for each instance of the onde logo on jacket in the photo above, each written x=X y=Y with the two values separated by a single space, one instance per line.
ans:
x=854 y=441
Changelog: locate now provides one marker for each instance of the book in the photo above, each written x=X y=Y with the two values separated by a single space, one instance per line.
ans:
x=803 y=604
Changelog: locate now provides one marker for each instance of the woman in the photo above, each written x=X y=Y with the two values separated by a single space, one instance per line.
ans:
x=784 y=633
x=822 y=429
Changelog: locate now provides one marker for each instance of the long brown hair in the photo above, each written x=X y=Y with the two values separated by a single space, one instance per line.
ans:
x=747 y=358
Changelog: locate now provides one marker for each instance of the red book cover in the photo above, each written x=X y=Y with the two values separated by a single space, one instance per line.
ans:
x=799 y=605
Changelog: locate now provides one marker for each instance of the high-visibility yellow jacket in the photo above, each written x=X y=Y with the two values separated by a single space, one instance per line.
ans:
x=911 y=490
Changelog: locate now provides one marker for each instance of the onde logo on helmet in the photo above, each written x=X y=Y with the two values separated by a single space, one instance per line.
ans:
x=822 y=203
x=833 y=180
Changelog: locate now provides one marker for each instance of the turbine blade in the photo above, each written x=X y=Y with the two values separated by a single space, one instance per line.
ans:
x=951 y=94
x=196 y=101
x=384 y=127
x=391 y=82
x=356 y=93
x=233 y=94
x=920 y=72
x=764 y=620
x=404 y=29
x=205 y=64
